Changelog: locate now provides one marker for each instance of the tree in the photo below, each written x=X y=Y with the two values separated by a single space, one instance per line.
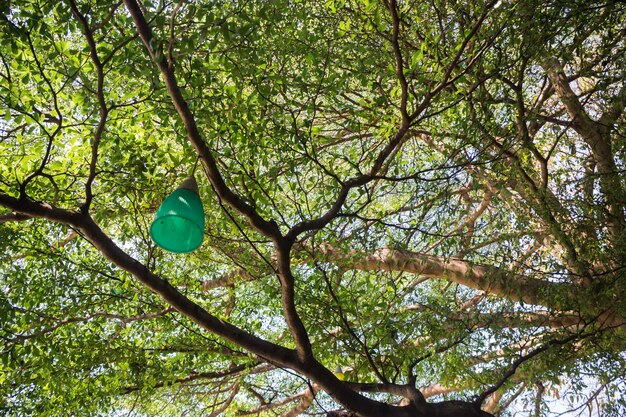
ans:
x=403 y=200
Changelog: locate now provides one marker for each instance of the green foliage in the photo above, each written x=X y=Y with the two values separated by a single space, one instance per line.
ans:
x=459 y=147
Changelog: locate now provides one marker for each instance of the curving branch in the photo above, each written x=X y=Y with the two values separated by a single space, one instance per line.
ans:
x=267 y=228
x=58 y=120
x=399 y=137
x=305 y=402
x=480 y=277
x=100 y=240
x=469 y=222
x=517 y=363
x=234 y=389
x=511 y=319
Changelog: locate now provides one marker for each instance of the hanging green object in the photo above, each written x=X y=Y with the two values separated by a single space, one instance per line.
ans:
x=179 y=223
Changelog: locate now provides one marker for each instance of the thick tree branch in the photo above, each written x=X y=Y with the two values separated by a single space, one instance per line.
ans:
x=436 y=389
x=288 y=301
x=13 y=217
x=480 y=277
x=265 y=227
x=540 y=318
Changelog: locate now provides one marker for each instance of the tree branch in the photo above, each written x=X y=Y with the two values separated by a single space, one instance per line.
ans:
x=480 y=277
x=102 y=107
x=92 y=232
x=395 y=20
x=305 y=396
x=13 y=217
x=265 y=350
x=234 y=389
x=122 y=319
x=596 y=135
x=232 y=371
x=265 y=227
x=516 y=364
x=305 y=402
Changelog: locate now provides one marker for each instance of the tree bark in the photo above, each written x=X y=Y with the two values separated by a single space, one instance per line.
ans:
x=442 y=409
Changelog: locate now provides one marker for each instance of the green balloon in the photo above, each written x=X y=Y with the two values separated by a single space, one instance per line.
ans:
x=179 y=223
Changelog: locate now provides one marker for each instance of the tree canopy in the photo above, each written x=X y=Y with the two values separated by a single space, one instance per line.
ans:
x=412 y=208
